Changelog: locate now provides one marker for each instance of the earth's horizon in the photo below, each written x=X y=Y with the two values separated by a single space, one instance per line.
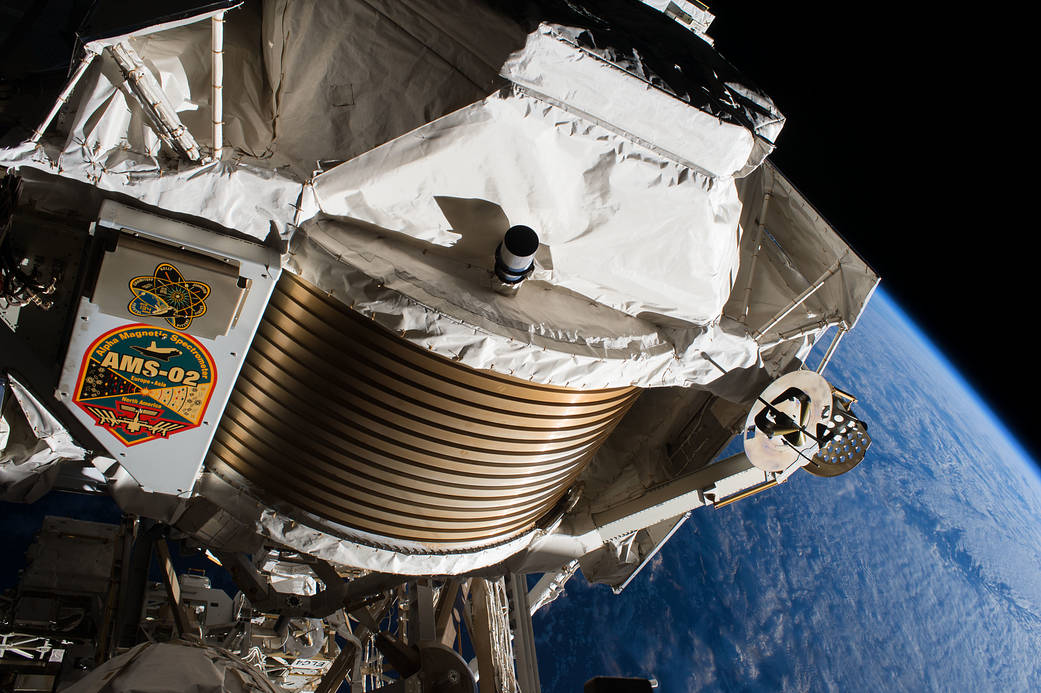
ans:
x=918 y=570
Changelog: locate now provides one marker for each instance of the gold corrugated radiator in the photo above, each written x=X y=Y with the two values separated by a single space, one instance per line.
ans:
x=341 y=418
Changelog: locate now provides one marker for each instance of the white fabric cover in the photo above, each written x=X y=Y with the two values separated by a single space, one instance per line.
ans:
x=174 y=667
x=624 y=226
x=110 y=143
x=234 y=194
x=553 y=66
x=798 y=247
x=545 y=333
x=32 y=445
x=348 y=76
x=415 y=561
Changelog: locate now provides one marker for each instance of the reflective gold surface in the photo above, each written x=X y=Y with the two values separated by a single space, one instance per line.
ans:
x=341 y=418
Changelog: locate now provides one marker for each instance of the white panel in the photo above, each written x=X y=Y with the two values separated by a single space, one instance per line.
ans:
x=164 y=463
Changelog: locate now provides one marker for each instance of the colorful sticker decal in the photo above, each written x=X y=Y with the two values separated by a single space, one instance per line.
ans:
x=141 y=382
x=167 y=294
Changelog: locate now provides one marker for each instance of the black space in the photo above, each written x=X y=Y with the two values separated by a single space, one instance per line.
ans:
x=910 y=131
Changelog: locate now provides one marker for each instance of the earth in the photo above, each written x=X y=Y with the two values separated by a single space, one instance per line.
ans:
x=918 y=570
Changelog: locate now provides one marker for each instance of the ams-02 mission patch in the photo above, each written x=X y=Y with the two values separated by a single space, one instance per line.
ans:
x=140 y=382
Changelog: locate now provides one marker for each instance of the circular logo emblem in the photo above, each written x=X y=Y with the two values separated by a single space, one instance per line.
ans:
x=140 y=382
x=167 y=294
